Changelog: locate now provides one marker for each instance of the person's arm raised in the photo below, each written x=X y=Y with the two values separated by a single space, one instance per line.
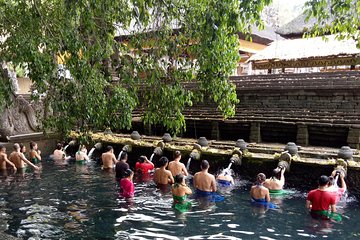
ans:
x=37 y=155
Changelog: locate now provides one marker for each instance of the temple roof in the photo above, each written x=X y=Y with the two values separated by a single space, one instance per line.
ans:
x=296 y=27
x=305 y=48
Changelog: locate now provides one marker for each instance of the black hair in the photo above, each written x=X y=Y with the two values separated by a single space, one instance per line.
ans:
x=2 y=147
x=109 y=148
x=323 y=180
x=177 y=154
x=128 y=172
x=32 y=145
x=58 y=146
x=21 y=146
x=331 y=181
x=123 y=155
x=204 y=164
x=179 y=178
x=163 y=161
x=261 y=177
x=142 y=159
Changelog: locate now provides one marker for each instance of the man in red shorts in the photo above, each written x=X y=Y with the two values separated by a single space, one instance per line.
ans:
x=320 y=201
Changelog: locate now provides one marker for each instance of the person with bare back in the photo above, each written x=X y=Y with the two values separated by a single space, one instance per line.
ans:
x=176 y=167
x=4 y=160
x=19 y=160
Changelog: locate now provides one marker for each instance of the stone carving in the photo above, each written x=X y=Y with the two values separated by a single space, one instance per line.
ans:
x=17 y=118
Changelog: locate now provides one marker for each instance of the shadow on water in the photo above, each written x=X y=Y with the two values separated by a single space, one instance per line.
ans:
x=72 y=201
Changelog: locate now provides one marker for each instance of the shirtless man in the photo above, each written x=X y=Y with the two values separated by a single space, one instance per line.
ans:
x=59 y=154
x=108 y=158
x=277 y=180
x=204 y=181
x=19 y=159
x=176 y=167
x=4 y=159
x=161 y=175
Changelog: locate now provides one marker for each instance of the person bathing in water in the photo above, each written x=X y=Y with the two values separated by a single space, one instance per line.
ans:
x=176 y=167
x=203 y=181
x=4 y=159
x=81 y=155
x=144 y=166
x=338 y=192
x=19 y=160
x=108 y=158
x=127 y=185
x=121 y=166
x=225 y=178
x=162 y=176
x=320 y=200
x=276 y=183
x=180 y=191
x=59 y=153
x=35 y=153
x=258 y=192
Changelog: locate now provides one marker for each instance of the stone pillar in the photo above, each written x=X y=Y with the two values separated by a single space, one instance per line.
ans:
x=302 y=136
x=215 y=134
x=353 y=138
x=255 y=134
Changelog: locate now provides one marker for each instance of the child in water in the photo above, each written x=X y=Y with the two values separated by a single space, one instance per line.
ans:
x=180 y=191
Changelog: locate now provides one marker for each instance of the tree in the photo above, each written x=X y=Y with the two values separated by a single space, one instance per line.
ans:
x=334 y=16
x=171 y=44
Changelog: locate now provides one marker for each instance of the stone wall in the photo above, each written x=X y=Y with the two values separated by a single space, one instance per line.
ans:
x=310 y=108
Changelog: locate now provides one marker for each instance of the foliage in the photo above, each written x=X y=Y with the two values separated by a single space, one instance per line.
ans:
x=334 y=16
x=171 y=46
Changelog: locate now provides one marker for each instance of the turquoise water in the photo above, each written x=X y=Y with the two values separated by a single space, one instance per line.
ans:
x=81 y=202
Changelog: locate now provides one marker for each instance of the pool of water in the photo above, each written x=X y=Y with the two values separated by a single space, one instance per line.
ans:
x=81 y=202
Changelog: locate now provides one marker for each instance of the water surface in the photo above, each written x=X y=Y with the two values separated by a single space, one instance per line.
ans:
x=81 y=202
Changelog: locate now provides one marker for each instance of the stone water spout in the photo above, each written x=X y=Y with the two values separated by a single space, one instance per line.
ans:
x=97 y=147
x=345 y=153
x=290 y=152
x=195 y=154
x=126 y=148
x=236 y=158
x=341 y=166
x=158 y=151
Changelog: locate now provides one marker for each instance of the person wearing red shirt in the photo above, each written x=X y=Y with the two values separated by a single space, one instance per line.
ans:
x=320 y=201
x=126 y=184
x=144 y=165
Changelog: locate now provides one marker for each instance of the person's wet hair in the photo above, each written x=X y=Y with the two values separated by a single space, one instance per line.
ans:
x=142 y=159
x=16 y=146
x=109 y=148
x=261 y=177
x=32 y=145
x=204 y=164
x=177 y=154
x=128 y=173
x=2 y=147
x=123 y=156
x=163 y=161
x=59 y=146
x=323 y=180
x=21 y=147
x=179 y=178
